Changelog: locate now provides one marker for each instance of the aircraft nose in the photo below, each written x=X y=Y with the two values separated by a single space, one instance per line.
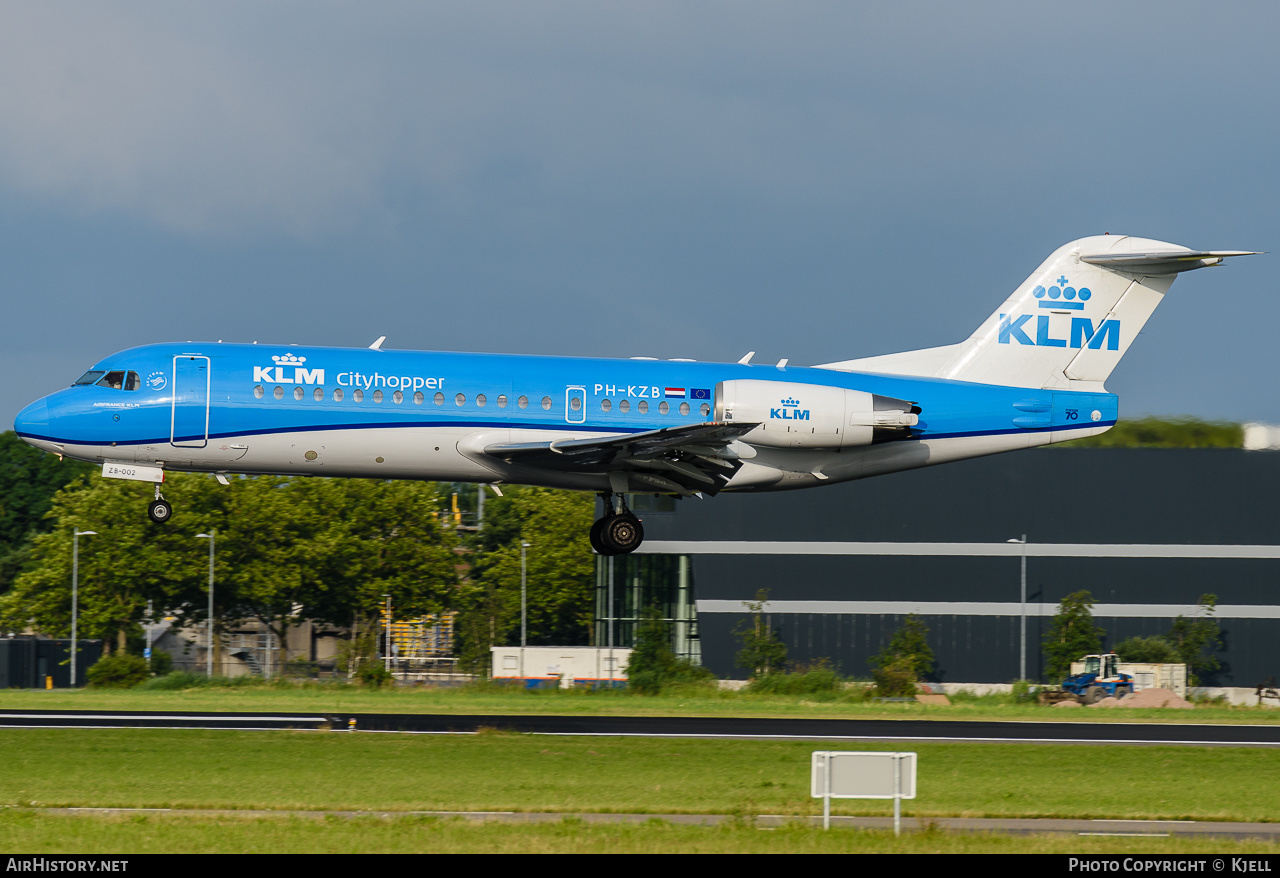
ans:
x=33 y=420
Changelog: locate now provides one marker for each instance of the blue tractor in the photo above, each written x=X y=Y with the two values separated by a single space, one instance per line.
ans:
x=1101 y=677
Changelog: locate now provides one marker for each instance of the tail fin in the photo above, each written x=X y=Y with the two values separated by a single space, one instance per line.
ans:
x=1070 y=321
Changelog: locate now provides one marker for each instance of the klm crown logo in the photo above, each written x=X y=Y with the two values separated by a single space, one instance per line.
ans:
x=1072 y=299
x=793 y=403
x=278 y=375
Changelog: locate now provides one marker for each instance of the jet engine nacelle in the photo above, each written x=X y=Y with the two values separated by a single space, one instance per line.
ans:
x=793 y=415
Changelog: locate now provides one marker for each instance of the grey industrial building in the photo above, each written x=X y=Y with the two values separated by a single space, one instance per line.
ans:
x=1145 y=531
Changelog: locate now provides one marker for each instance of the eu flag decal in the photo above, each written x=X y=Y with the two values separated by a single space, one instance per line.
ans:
x=699 y=393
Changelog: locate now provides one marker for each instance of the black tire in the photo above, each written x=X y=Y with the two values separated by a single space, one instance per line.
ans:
x=159 y=511
x=597 y=541
x=1122 y=691
x=621 y=534
x=1094 y=694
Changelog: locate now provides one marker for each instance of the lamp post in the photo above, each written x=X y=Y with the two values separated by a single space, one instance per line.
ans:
x=75 y=593
x=524 y=596
x=211 y=536
x=1022 y=662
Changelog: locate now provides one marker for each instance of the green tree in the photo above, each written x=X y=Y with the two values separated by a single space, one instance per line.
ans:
x=127 y=563
x=1072 y=634
x=1165 y=433
x=29 y=479
x=906 y=660
x=287 y=550
x=653 y=666
x=560 y=570
x=763 y=651
x=1196 y=639
x=1156 y=650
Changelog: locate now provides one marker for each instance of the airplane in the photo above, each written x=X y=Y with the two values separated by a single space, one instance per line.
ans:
x=1031 y=374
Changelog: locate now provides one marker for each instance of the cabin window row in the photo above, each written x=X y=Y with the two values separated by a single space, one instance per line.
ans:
x=397 y=397
x=664 y=407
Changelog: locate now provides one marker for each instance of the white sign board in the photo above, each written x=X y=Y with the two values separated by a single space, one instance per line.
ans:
x=862 y=775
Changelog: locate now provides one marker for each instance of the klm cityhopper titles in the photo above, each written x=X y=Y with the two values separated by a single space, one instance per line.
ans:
x=1031 y=374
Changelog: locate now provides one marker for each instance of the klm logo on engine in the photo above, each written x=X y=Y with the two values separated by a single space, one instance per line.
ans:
x=789 y=411
x=298 y=374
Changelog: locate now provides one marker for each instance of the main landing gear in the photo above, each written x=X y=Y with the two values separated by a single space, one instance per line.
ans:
x=618 y=532
x=159 y=511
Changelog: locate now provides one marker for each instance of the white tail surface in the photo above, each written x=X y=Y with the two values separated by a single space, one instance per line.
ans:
x=1070 y=321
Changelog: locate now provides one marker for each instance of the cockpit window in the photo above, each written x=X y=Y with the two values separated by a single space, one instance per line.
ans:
x=112 y=379
x=88 y=378
x=119 y=380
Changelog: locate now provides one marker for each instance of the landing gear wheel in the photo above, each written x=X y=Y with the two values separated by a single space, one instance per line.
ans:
x=159 y=511
x=620 y=534
x=597 y=541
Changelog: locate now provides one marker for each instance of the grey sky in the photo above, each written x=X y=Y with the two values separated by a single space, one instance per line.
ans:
x=815 y=181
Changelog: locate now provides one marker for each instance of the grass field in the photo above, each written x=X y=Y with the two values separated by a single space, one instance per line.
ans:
x=155 y=768
x=338 y=771
x=484 y=700
x=37 y=833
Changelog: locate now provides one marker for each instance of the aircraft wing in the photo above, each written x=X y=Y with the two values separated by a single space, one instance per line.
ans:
x=677 y=460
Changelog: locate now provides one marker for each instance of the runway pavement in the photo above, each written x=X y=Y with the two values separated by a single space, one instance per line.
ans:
x=1064 y=732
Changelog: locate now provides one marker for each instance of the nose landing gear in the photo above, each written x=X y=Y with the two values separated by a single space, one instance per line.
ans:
x=159 y=511
x=618 y=531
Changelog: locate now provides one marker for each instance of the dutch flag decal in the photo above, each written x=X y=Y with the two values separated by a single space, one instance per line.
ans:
x=675 y=393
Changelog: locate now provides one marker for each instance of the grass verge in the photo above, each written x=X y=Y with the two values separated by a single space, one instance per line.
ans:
x=188 y=769
x=38 y=833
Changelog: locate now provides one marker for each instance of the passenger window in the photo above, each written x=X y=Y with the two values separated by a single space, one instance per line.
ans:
x=258 y=392
x=297 y=393
x=706 y=409
x=460 y=399
x=605 y=404
x=523 y=402
x=278 y=393
x=546 y=403
x=337 y=394
x=397 y=397
x=502 y=402
x=114 y=380
x=480 y=400
x=624 y=405
x=643 y=406
x=663 y=407
x=418 y=398
x=684 y=408
x=357 y=395
x=439 y=399
x=377 y=396
x=317 y=394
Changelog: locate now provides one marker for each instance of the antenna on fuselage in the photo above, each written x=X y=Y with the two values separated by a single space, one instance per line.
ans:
x=746 y=361
x=377 y=345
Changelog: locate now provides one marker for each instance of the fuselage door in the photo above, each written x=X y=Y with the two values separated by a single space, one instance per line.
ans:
x=575 y=404
x=189 y=422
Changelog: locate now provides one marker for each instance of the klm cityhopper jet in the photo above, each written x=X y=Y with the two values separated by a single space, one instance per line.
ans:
x=1031 y=374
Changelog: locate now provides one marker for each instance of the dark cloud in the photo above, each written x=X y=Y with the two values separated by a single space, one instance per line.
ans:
x=812 y=180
